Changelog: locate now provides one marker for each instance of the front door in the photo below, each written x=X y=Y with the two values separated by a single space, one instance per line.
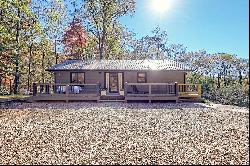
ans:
x=113 y=83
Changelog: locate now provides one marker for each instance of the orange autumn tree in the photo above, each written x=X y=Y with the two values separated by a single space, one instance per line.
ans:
x=75 y=40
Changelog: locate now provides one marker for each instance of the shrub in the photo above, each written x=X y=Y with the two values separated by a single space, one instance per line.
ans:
x=233 y=95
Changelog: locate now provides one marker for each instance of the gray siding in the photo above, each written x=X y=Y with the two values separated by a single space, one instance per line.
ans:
x=157 y=77
x=62 y=77
x=92 y=77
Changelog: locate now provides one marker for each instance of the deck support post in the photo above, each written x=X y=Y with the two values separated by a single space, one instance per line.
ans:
x=67 y=93
x=54 y=88
x=199 y=89
x=47 y=89
x=176 y=89
x=98 y=88
x=41 y=88
x=125 y=89
x=149 y=89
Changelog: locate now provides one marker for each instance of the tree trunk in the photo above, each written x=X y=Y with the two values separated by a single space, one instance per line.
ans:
x=213 y=80
x=158 y=51
x=240 y=77
x=100 y=49
x=218 y=83
x=1 y=76
x=1 y=82
x=104 y=30
x=229 y=80
x=102 y=43
x=10 y=87
x=43 y=67
x=16 y=79
x=56 y=52
x=225 y=80
x=30 y=51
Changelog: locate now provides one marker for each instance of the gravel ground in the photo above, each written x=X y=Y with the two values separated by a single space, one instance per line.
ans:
x=120 y=133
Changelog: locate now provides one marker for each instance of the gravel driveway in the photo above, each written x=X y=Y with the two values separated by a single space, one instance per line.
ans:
x=121 y=133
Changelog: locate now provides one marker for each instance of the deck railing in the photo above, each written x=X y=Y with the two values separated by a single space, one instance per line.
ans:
x=130 y=89
x=57 y=88
x=151 y=89
x=189 y=89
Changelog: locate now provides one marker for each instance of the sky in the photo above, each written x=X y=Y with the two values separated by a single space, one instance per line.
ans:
x=213 y=25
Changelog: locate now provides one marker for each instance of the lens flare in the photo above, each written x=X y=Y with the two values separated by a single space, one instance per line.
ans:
x=161 y=7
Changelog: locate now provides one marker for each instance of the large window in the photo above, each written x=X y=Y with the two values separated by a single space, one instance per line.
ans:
x=78 y=78
x=141 y=77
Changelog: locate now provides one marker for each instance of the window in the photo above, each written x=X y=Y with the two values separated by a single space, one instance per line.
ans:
x=77 y=78
x=141 y=77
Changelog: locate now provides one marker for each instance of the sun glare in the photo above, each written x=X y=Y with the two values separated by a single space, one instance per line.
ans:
x=161 y=7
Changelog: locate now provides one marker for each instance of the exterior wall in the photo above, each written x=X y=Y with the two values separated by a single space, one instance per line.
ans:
x=92 y=77
x=62 y=77
x=155 y=77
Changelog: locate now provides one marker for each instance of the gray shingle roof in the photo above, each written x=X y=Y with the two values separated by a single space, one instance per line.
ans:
x=119 y=65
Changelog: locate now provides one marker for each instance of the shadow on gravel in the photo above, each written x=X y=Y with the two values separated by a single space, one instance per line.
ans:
x=106 y=105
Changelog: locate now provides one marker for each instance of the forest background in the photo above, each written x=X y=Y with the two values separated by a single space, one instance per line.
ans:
x=36 y=34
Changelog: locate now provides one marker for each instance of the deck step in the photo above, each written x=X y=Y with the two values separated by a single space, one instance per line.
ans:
x=189 y=99
x=111 y=100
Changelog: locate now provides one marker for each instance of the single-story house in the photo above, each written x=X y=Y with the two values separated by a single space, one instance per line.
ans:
x=124 y=80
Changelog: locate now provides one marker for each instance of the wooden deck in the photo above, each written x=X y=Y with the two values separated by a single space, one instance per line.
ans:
x=66 y=92
x=132 y=92
x=151 y=92
x=189 y=90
